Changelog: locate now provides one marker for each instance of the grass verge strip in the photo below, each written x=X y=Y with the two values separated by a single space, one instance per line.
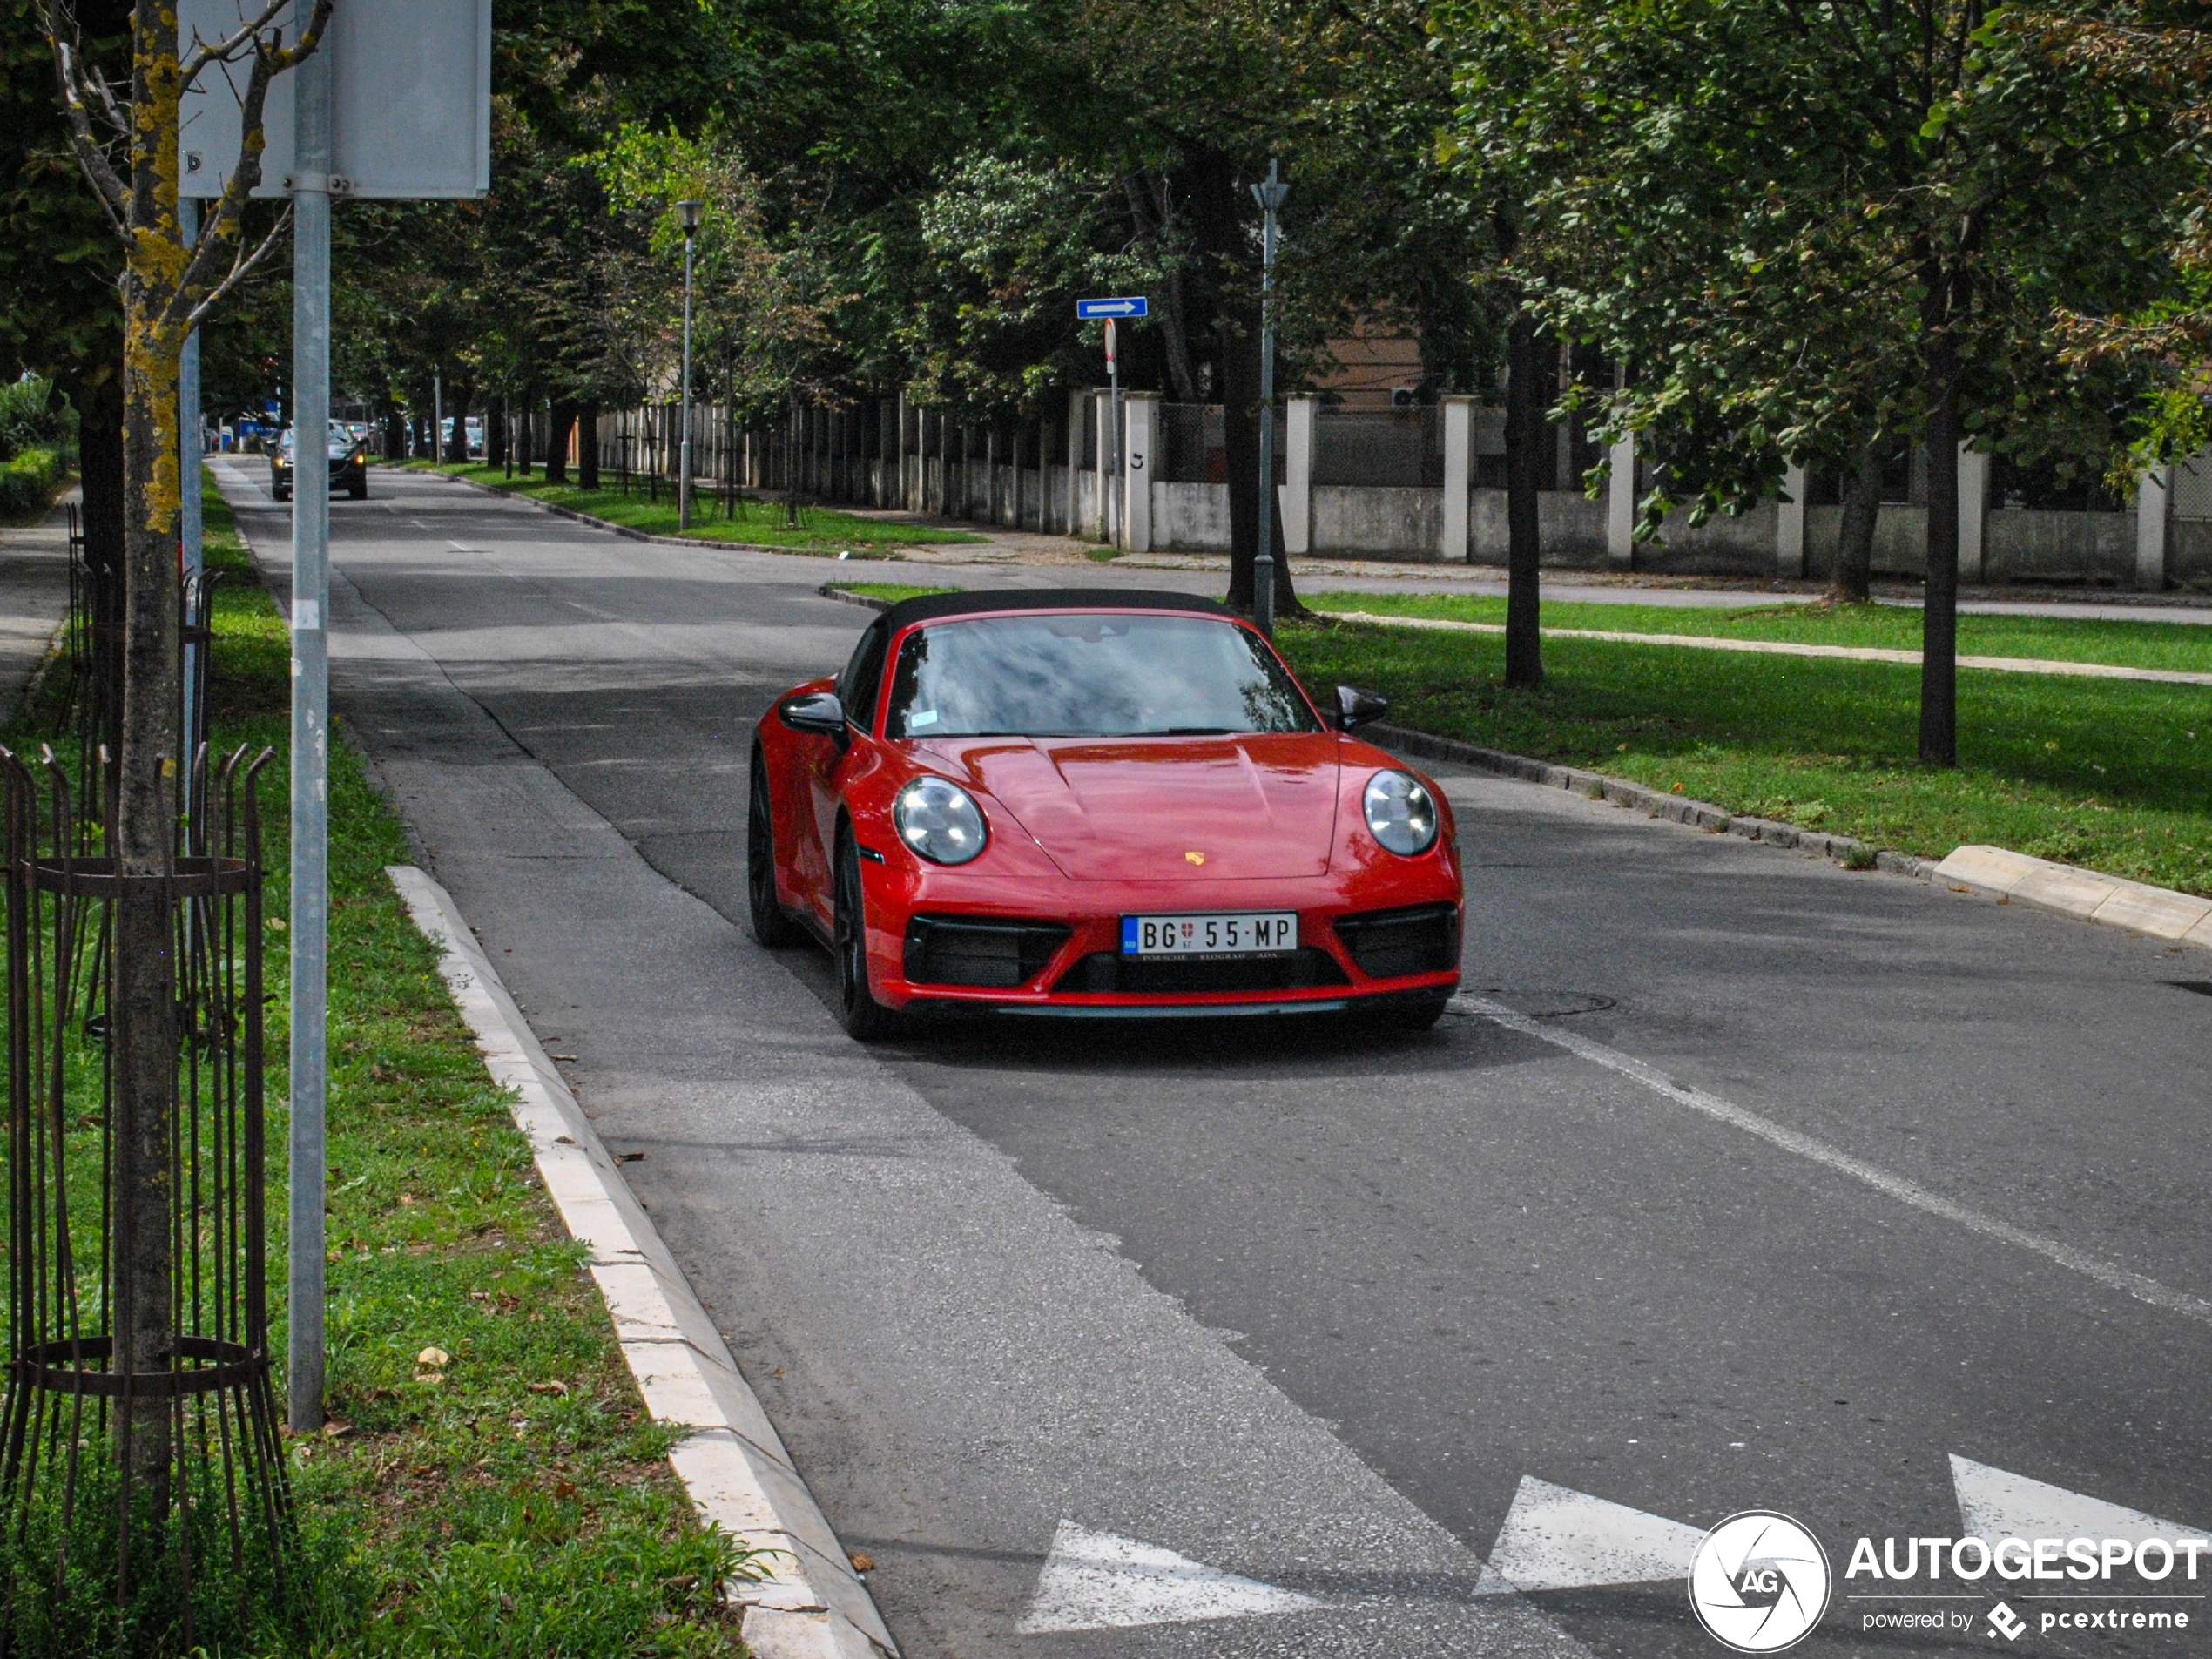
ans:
x=1799 y=648
x=2112 y=775
x=490 y=1483
x=754 y=521
x=2184 y=647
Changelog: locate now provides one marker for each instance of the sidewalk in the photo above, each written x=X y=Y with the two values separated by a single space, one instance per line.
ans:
x=34 y=598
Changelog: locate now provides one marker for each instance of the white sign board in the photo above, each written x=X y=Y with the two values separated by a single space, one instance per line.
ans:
x=411 y=93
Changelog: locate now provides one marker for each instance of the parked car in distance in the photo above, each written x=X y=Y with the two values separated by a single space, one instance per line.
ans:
x=476 y=436
x=348 y=464
x=1104 y=804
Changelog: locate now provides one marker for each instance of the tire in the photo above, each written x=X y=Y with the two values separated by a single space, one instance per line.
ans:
x=771 y=924
x=360 y=491
x=1407 y=1015
x=864 y=1019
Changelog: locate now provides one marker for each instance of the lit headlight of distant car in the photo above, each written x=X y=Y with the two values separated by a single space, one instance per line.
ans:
x=941 y=821
x=1401 y=814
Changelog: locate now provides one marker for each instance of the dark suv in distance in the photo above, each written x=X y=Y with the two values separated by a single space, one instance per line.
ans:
x=348 y=464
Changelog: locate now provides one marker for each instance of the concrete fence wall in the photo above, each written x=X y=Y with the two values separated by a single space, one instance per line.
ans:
x=1094 y=473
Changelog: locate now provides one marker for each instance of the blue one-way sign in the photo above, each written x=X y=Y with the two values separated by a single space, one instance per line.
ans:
x=1135 y=305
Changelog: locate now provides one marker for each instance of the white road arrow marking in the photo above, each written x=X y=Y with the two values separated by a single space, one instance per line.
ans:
x=1995 y=1503
x=1558 y=1539
x=1094 y=1580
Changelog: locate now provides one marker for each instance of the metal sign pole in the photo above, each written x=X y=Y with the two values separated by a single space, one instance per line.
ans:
x=1114 y=439
x=310 y=187
x=1270 y=197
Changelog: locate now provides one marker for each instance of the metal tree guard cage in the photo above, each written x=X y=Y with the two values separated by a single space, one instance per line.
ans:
x=204 y=1490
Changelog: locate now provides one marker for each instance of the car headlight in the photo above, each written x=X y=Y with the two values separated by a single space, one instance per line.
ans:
x=1401 y=814
x=940 y=821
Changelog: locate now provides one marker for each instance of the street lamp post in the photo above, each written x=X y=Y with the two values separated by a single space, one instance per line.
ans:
x=1270 y=197
x=691 y=210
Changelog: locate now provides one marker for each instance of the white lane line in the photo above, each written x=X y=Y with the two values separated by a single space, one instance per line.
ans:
x=2143 y=1288
x=1099 y=1581
x=1996 y=1503
x=1558 y=1538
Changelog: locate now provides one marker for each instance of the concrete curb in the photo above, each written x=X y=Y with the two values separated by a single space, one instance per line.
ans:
x=2113 y=900
x=830 y=590
x=731 y=1461
x=629 y=535
x=1655 y=803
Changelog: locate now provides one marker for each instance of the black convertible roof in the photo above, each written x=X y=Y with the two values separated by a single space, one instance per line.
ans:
x=928 y=606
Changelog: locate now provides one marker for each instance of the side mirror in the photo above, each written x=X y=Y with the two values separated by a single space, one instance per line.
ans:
x=819 y=713
x=1358 y=708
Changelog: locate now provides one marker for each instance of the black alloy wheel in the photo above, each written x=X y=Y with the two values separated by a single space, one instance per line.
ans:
x=771 y=924
x=864 y=1019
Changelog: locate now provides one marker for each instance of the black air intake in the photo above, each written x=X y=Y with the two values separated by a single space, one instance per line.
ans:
x=1108 y=970
x=1419 y=939
x=980 y=950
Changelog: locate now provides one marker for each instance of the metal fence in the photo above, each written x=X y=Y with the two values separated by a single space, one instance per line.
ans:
x=1192 y=447
x=1385 y=448
x=2193 y=487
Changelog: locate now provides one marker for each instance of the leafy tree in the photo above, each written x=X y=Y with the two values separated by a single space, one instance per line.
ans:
x=1802 y=228
x=60 y=262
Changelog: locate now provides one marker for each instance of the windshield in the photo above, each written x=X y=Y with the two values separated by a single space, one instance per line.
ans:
x=1090 y=676
x=342 y=442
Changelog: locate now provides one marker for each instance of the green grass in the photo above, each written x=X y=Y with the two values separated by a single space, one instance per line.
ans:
x=889 y=592
x=28 y=482
x=758 y=522
x=2115 y=775
x=2186 y=646
x=515 y=1501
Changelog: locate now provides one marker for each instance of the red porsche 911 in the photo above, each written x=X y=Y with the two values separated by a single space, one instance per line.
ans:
x=1096 y=803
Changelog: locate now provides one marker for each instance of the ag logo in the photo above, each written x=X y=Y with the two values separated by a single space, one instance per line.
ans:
x=1759 y=1582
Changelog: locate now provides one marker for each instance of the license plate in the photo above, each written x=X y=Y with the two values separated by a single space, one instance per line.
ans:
x=1264 y=932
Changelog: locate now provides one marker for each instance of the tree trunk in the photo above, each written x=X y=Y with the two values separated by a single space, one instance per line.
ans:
x=457 y=445
x=1940 y=617
x=143 y=1023
x=1156 y=220
x=1527 y=457
x=496 y=436
x=395 y=432
x=99 y=464
x=1217 y=223
x=1847 y=583
x=791 y=462
x=587 y=448
x=556 y=445
x=525 y=420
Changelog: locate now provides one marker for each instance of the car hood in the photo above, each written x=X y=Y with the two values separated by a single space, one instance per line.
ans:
x=1162 y=808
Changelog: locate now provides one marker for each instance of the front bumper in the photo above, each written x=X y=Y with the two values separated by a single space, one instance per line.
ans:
x=945 y=946
x=344 y=475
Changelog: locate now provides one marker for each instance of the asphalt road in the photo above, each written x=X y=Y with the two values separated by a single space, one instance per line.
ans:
x=1304 y=1307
